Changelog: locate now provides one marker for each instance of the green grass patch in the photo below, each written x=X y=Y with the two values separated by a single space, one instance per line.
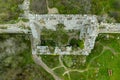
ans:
x=59 y=72
x=100 y=66
x=95 y=52
x=9 y=10
x=67 y=6
x=51 y=60
x=107 y=61
x=110 y=7
x=78 y=76
x=74 y=61
x=112 y=42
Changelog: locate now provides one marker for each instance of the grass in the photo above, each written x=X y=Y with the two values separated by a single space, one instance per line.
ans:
x=100 y=61
x=61 y=38
x=51 y=60
x=78 y=76
x=106 y=61
x=20 y=66
x=99 y=67
x=58 y=37
x=59 y=72
x=9 y=10
x=102 y=72
x=113 y=41
x=28 y=58
x=67 y=6
x=74 y=61
x=95 y=52
x=110 y=7
x=68 y=62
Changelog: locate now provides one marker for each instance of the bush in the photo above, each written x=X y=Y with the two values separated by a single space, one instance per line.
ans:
x=76 y=43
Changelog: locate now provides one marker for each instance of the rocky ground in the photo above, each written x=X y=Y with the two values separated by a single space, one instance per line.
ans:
x=16 y=61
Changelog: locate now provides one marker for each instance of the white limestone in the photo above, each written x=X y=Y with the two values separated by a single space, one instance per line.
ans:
x=87 y=24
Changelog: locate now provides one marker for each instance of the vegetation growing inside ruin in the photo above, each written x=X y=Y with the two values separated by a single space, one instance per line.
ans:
x=61 y=37
x=52 y=38
x=9 y=10
x=58 y=37
x=102 y=63
x=76 y=43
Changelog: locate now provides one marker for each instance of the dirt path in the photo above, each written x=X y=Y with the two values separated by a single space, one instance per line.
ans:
x=108 y=48
x=66 y=69
x=39 y=61
x=56 y=67
x=51 y=10
x=36 y=40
